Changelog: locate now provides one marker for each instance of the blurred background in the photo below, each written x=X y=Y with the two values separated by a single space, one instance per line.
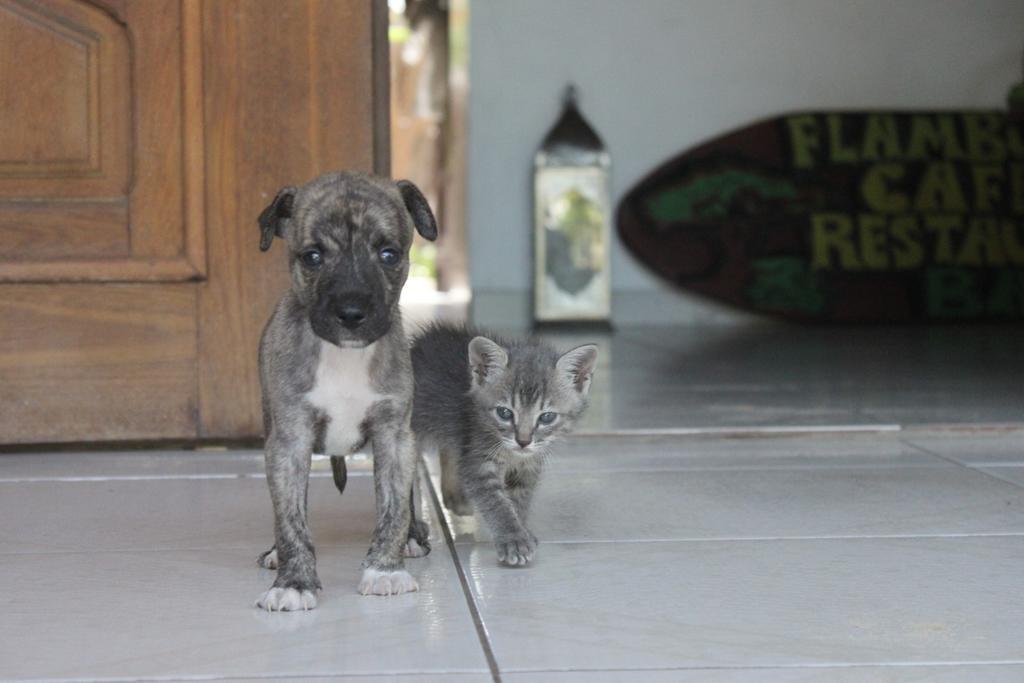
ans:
x=140 y=141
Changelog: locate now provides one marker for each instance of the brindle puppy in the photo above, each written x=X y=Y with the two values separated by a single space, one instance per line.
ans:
x=335 y=370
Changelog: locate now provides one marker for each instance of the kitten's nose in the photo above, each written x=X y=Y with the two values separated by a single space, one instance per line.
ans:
x=523 y=443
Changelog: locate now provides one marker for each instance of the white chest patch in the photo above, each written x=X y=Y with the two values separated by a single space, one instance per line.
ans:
x=342 y=391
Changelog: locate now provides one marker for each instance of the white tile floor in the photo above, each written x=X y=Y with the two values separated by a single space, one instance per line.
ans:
x=682 y=538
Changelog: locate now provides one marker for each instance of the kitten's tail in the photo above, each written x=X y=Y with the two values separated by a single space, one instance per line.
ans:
x=340 y=473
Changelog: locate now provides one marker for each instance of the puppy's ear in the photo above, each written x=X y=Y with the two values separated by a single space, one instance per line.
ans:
x=486 y=359
x=577 y=367
x=419 y=209
x=271 y=218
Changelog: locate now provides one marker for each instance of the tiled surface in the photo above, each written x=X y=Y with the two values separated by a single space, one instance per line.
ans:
x=700 y=488
x=999 y=673
x=610 y=452
x=761 y=375
x=147 y=614
x=772 y=603
x=996 y=452
x=155 y=465
x=116 y=595
x=130 y=465
x=773 y=503
x=148 y=515
x=728 y=555
x=749 y=559
x=454 y=677
x=849 y=557
x=1014 y=475
x=1002 y=447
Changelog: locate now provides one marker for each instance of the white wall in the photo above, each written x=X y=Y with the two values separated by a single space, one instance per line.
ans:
x=658 y=76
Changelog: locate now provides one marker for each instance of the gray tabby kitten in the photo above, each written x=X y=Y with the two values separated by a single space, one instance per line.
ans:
x=492 y=408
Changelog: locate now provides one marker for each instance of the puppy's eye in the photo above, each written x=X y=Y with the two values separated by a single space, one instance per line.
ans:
x=547 y=418
x=311 y=258
x=389 y=256
x=503 y=413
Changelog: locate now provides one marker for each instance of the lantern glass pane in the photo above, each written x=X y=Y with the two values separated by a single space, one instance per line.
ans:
x=572 y=243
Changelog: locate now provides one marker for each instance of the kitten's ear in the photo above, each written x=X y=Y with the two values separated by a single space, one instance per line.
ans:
x=486 y=359
x=577 y=366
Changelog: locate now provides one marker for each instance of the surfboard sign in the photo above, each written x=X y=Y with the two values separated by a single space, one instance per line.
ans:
x=844 y=216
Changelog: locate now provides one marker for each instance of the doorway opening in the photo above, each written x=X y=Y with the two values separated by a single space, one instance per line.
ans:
x=429 y=82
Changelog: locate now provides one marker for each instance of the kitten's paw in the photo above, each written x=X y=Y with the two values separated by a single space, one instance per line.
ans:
x=268 y=560
x=517 y=551
x=377 y=582
x=287 y=600
x=414 y=548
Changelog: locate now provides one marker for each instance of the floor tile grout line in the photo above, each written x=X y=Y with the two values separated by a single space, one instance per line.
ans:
x=100 y=551
x=618 y=469
x=928 y=451
x=761 y=539
x=468 y=672
x=772 y=667
x=555 y=470
x=161 y=477
x=826 y=463
x=995 y=476
x=173 y=678
x=124 y=477
x=776 y=430
x=999 y=464
x=478 y=621
x=595 y=541
x=970 y=468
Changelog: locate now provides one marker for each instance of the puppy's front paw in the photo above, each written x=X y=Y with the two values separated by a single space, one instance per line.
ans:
x=377 y=582
x=517 y=551
x=287 y=600
x=268 y=560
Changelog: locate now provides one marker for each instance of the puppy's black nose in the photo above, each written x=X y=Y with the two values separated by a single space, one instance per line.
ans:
x=351 y=315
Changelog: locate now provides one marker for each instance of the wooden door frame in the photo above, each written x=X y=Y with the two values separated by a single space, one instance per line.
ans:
x=241 y=290
x=282 y=91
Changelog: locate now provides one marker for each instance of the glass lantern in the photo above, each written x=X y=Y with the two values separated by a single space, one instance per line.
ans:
x=572 y=218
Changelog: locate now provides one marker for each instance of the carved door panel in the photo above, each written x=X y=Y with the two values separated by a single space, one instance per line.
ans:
x=138 y=141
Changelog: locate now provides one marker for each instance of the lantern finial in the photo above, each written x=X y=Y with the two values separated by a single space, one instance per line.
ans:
x=571 y=140
x=570 y=96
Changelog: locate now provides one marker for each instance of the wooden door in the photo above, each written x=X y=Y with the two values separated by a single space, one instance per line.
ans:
x=139 y=139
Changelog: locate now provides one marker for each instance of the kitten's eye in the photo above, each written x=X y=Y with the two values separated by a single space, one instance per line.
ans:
x=503 y=413
x=547 y=418
x=311 y=258
x=389 y=256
